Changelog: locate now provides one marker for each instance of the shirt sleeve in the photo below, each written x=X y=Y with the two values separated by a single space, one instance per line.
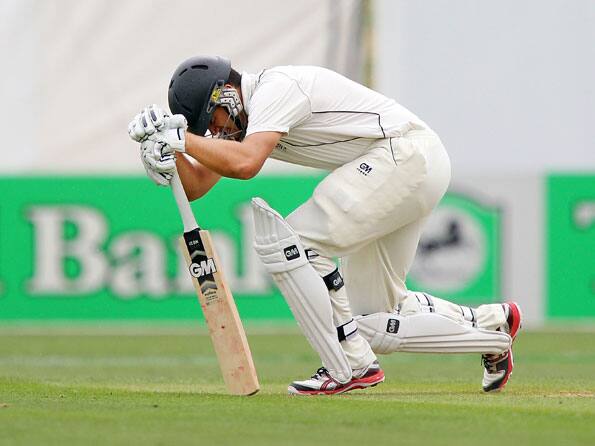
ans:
x=277 y=105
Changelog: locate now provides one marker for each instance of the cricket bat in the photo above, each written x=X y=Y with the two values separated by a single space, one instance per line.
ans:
x=217 y=303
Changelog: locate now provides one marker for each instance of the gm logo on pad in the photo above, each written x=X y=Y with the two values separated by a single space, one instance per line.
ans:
x=337 y=282
x=392 y=326
x=291 y=252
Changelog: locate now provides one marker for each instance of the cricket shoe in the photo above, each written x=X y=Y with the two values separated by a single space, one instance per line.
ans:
x=321 y=383
x=498 y=367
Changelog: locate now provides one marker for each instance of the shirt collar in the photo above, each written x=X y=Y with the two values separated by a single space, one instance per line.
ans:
x=249 y=84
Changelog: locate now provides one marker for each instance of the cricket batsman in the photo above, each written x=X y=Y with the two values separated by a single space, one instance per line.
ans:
x=387 y=171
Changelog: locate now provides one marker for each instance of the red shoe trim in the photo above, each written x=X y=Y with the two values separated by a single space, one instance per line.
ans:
x=508 y=370
x=372 y=379
x=516 y=319
x=356 y=383
x=325 y=384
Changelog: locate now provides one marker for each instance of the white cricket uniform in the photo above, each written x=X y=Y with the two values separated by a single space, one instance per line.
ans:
x=388 y=171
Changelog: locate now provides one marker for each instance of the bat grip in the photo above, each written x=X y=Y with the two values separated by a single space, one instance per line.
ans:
x=183 y=205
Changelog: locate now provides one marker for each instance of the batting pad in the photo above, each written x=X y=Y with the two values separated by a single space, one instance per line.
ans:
x=428 y=333
x=282 y=253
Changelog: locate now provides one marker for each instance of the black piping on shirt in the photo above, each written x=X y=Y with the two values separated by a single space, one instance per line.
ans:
x=355 y=112
x=321 y=144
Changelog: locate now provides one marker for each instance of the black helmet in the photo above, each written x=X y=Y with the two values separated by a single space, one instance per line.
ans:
x=191 y=88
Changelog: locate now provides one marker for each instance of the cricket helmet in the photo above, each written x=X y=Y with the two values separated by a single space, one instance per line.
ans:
x=195 y=90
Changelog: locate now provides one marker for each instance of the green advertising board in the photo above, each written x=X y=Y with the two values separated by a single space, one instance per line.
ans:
x=570 y=239
x=105 y=248
x=459 y=254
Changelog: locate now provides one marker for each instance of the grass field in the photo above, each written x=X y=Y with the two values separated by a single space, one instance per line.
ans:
x=90 y=386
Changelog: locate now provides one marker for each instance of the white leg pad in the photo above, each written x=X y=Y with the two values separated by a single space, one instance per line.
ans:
x=282 y=253
x=428 y=333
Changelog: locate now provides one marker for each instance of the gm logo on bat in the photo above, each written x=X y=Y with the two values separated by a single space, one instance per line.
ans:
x=203 y=268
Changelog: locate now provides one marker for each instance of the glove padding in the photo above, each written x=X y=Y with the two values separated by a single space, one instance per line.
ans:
x=147 y=122
x=154 y=123
x=173 y=133
x=159 y=162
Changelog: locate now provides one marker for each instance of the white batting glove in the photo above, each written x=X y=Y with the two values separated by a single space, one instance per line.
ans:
x=146 y=123
x=160 y=179
x=172 y=133
x=135 y=129
x=153 y=122
x=159 y=162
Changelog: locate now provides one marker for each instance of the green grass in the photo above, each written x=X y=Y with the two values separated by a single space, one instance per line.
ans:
x=163 y=387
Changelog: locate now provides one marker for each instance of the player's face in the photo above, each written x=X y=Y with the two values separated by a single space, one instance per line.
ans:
x=221 y=124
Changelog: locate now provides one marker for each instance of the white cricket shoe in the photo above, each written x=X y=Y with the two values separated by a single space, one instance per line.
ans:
x=498 y=367
x=321 y=383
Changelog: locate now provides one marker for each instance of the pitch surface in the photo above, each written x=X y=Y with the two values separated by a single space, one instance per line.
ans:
x=162 y=386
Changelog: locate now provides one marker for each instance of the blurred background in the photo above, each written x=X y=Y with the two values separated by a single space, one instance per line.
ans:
x=85 y=237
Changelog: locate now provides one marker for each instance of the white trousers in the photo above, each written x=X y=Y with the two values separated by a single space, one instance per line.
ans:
x=370 y=213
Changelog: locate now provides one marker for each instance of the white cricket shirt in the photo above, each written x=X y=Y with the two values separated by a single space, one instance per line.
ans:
x=327 y=120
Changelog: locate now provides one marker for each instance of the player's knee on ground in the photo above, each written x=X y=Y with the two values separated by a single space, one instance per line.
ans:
x=416 y=302
x=428 y=333
x=489 y=317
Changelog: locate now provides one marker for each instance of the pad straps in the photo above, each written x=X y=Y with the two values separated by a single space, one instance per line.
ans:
x=334 y=280
x=346 y=330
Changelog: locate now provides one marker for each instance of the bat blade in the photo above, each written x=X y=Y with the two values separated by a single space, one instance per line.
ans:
x=221 y=314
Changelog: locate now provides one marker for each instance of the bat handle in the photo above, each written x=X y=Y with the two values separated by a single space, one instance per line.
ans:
x=183 y=205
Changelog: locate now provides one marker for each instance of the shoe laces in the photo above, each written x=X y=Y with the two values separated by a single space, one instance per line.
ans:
x=490 y=362
x=321 y=372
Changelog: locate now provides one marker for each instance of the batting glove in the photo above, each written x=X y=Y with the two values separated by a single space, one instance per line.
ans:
x=172 y=134
x=147 y=122
x=154 y=123
x=159 y=162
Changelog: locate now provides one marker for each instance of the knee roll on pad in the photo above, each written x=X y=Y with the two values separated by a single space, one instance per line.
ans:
x=283 y=255
x=416 y=302
x=419 y=302
x=428 y=333
x=277 y=245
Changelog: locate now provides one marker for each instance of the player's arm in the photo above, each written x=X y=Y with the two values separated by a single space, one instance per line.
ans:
x=233 y=159
x=196 y=178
